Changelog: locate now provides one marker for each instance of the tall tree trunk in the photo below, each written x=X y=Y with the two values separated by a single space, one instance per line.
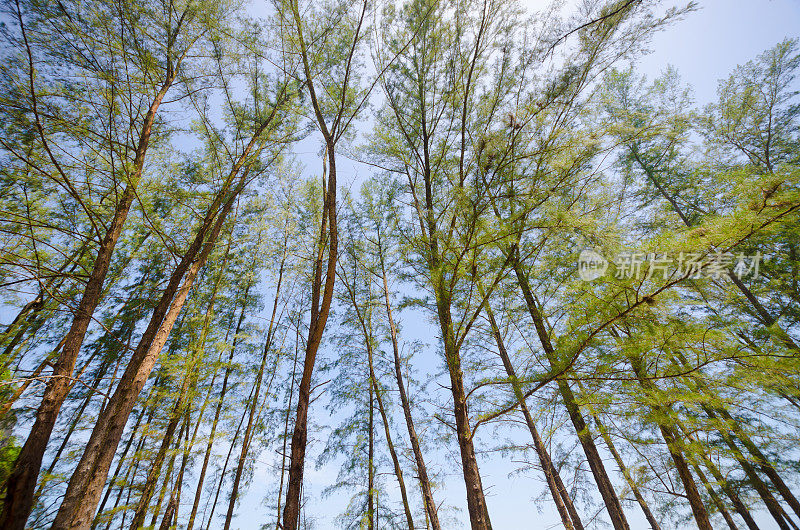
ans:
x=627 y=474
x=398 y=470
x=422 y=470
x=761 y=460
x=729 y=425
x=101 y=372
x=476 y=500
x=175 y=416
x=365 y=322
x=566 y=509
x=319 y=317
x=167 y=476
x=674 y=446
x=215 y=503
x=774 y=507
x=610 y=499
x=371 y=457
x=86 y=484
x=171 y=513
x=150 y=412
x=323 y=282
x=286 y=424
x=21 y=483
x=715 y=498
x=248 y=432
x=217 y=413
x=126 y=334
x=741 y=509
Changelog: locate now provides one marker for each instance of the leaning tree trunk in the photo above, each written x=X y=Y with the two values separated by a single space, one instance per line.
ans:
x=604 y=484
x=175 y=416
x=422 y=470
x=637 y=494
x=773 y=506
x=86 y=484
x=738 y=505
x=21 y=482
x=674 y=446
x=715 y=498
x=566 y=509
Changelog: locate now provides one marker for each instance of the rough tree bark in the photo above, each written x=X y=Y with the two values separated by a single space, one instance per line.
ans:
x=18 y=501
x=86 y=484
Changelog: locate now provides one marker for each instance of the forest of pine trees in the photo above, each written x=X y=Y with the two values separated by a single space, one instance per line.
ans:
x=295 y=264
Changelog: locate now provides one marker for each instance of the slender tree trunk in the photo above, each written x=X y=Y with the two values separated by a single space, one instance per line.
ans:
x=566 y=509
x=319 y=316
x=398 y=470
x=371 y=457
x=121 y=461
x=675 y=448
x=365 y=322
x=476 y=501
x=741 y=509
x=322 y=283
x=774 y=507
x=167 y=475
x=286 y=427
x=604 y=484
x=715 y=498
x=176 y=415
x=217 y=413
x=21 y=483
x=627 y=474
x=422 y=470
x=171 y=513
x=730 y=425
x=248 y=432
x=224 y=469
x=762 y=461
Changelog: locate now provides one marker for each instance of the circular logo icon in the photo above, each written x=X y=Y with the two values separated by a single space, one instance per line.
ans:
x=591 y=265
